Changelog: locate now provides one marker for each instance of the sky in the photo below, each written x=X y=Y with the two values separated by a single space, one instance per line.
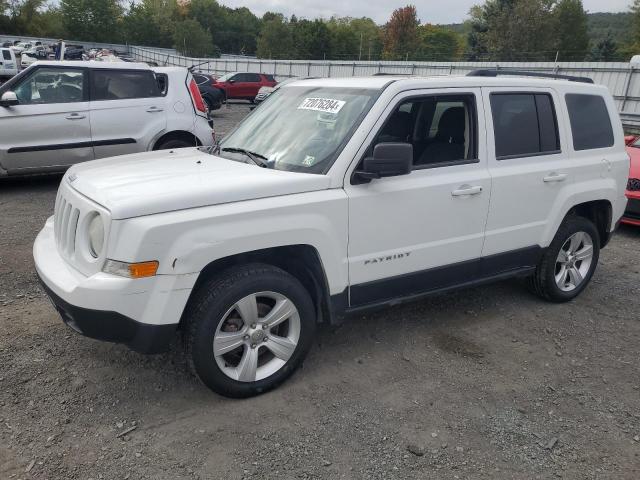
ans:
x=429 y=11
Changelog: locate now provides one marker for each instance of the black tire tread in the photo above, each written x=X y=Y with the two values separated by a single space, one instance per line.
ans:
x=208 y=293
x=538 y=282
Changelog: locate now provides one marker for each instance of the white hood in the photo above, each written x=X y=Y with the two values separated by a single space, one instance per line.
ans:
x=163 y=181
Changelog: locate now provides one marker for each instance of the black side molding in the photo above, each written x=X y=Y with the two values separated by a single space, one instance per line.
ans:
x=68 y=146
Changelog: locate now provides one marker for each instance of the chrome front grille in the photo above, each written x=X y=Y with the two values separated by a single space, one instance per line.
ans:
x=66 y=225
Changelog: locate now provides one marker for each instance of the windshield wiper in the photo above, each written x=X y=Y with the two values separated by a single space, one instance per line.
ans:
x=256 y=158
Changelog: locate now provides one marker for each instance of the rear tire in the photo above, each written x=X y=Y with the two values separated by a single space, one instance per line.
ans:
x=248 y=329
x=567 y=266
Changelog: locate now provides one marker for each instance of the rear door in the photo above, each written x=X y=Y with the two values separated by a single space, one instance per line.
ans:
x=50 y=127
x=127 y=111
x=530 y=169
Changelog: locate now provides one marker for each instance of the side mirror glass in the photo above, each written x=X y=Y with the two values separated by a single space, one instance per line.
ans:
x=389 y=160
x=8 y=99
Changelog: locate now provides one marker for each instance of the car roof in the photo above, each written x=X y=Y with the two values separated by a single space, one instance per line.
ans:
x=409 y=82
x=94 y=64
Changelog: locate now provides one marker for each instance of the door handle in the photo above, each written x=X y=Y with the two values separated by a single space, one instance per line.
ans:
x=154 y=109
x=555 y=177
x=465 y=190
x=75 y=116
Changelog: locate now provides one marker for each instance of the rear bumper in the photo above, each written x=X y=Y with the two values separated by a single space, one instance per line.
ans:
x=112 y=326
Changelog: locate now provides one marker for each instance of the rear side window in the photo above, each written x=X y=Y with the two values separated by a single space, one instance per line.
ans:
x=524 y=125
x=123 y=84
x=590 y=122
x=6 y=54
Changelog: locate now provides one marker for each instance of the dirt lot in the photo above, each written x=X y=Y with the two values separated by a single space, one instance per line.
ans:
x=488 y=383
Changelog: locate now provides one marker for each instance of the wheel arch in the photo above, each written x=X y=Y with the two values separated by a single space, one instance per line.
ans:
x=600 y=212
x=301 y=261
x=176 y=135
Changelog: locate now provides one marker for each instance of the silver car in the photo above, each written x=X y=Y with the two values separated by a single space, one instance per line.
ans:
x=56 y=114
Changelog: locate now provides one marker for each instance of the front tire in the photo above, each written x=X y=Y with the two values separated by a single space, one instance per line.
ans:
x=248 y=329
x=569 y=263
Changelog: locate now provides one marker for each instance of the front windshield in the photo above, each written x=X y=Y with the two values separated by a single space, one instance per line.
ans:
x=300 y=128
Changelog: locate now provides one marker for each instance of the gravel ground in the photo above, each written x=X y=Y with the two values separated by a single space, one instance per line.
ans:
x=487 y=383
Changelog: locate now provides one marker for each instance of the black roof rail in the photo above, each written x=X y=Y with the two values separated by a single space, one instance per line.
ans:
x=524 y=73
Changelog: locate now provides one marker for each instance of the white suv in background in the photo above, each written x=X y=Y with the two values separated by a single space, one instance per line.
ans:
x=56 y=114
x=333 y=197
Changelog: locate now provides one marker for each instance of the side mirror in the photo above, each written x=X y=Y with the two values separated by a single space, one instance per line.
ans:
x=231 y=81
x=389 y=160
x=9 y=99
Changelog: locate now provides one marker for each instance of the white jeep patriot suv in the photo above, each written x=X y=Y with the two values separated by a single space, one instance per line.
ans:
x=331 y=197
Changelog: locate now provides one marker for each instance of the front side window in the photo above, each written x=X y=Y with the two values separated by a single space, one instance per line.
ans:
x=300 y=128
x=441 y=129
x=123 y=84
x=252 y=77
x=51 y=85
x=524 y=125
x=590 y=122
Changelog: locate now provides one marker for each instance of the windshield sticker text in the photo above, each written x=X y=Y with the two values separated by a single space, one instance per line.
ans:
x=327 y=105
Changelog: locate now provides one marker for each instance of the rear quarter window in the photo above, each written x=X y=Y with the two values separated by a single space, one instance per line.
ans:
x=6 y=54
x=590 y=122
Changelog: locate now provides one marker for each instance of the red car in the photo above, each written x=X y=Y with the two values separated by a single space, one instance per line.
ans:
x=632 y=213
x=244 y=85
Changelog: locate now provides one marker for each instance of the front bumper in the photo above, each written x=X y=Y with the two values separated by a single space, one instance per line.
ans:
x=112 y=326
x=143 y=313
x=631 y=214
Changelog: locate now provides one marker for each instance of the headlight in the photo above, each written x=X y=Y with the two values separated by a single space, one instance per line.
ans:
x=96 y=236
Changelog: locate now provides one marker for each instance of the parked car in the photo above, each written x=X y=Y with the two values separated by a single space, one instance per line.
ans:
x=214 y=97
x=243 y=85
x=338 y=196
x=6 y=45
x=632 y=212
x=21 y=47
x=73 y=52
x=264 y=92
x=89 y=110
x=8 y=63
x=34 y=54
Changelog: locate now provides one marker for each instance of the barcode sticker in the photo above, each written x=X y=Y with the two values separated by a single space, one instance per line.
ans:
x=326 y=105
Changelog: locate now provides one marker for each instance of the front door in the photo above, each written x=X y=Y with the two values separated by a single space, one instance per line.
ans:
x=127 y=111
x=50 y=127
x=423 y=231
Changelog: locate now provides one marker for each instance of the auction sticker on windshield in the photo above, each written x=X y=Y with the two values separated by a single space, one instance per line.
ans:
x=327 y=105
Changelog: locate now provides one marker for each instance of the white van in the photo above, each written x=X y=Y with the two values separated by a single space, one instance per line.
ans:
x=8 y=63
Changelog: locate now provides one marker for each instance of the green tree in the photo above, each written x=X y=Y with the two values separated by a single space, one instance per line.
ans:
x=191 y=39
x=401 y=37
x=275 y=40
x=97 y=20
x=513 y=30
x=311 y=39
x=604 y=51
x=344 y=40
x=572 y=37
x=369 y=36
x=437 y=43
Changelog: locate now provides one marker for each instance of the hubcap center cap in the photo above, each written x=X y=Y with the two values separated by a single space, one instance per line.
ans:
x=257 y=336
